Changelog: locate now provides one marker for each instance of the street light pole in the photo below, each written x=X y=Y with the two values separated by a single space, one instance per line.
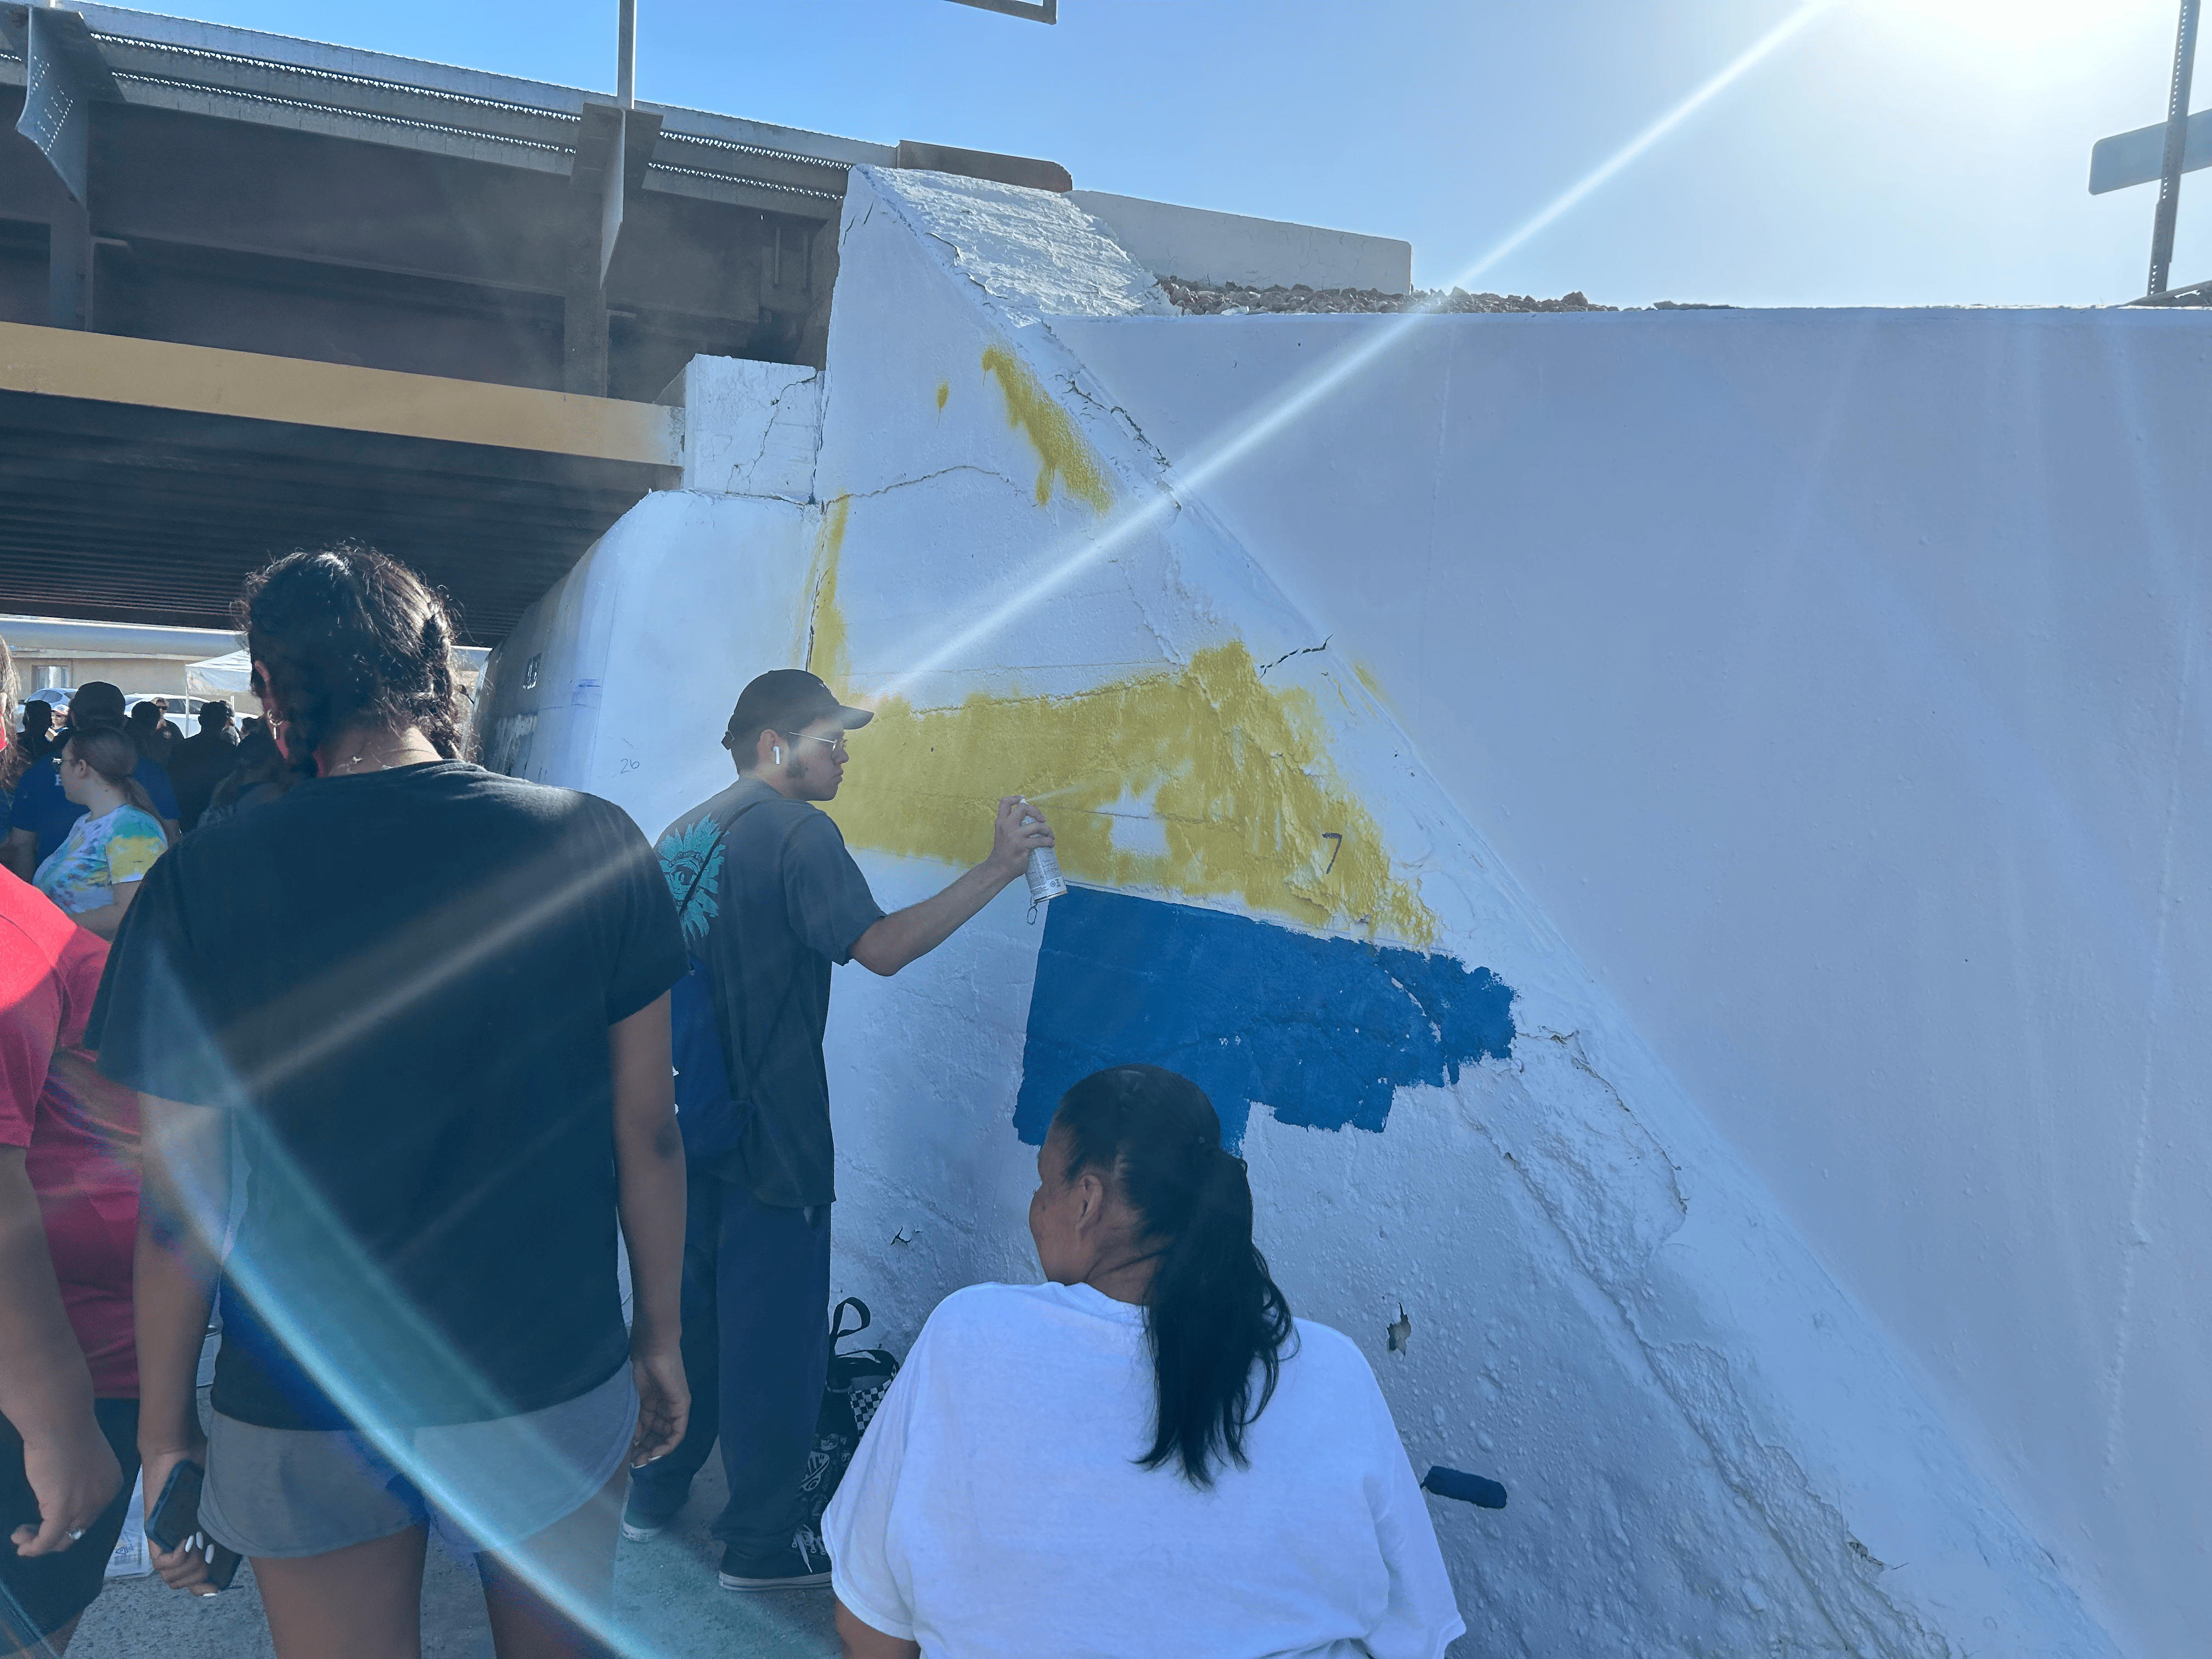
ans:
x=626 y=54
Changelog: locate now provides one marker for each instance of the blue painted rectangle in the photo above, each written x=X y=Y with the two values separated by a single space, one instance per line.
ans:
x=1322 y=1031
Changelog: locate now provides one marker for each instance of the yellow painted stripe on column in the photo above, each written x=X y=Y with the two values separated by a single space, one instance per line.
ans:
x=162 y=374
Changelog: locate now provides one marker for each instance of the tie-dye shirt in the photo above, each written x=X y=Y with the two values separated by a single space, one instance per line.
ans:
x=99 y=855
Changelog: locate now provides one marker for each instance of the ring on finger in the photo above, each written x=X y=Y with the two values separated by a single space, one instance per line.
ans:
x=74 y=1533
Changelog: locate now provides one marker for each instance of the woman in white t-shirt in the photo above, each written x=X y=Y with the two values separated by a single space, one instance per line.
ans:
x=1145 y=1456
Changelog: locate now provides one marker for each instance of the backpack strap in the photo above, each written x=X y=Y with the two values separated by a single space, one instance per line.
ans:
x=838 y=1331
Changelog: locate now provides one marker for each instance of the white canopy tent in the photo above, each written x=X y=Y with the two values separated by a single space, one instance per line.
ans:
x=229 y=677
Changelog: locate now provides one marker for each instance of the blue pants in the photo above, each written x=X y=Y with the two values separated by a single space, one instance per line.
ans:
x=756 y=1354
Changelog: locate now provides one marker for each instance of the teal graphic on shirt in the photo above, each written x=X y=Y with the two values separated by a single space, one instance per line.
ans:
x=692 y=861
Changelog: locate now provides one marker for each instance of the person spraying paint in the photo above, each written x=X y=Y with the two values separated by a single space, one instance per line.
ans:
x=769 y=900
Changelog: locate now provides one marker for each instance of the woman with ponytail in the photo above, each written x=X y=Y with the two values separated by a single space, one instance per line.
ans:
x=432 y=1004
x=1145 y=1453
x=95 y=873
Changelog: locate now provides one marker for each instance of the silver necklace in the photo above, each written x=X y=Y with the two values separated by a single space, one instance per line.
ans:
x=352 y=760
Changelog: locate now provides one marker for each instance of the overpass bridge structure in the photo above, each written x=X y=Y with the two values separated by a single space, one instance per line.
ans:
x=257 y=292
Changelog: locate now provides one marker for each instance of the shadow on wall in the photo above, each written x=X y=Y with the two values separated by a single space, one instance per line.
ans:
x=1319 y=1030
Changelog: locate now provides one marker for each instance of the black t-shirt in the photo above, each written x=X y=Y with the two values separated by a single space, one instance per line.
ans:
x=401 y=983
x=778 y=902
x=195 y=766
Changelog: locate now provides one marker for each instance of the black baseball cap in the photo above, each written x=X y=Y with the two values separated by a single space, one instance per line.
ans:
x=788 y=699
x=96 y=703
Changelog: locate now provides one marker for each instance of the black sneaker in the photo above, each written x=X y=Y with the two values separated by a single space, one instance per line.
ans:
x=803 y=1565
x=639 y=1523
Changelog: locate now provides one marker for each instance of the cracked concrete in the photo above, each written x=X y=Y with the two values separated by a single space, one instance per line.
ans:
x=1607 y=1186
x=751 y=429
x=1301 y=651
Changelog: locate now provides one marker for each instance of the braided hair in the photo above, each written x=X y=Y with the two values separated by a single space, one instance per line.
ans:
x=346 y=636
x=1213 y=1315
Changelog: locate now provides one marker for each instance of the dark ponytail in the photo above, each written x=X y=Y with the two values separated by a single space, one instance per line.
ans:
x=349 y=637
x=1213 y=1313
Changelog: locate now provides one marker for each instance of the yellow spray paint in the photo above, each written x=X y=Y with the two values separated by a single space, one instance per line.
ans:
x=1062 y=451
x=828 y=652
x=944 y=392
x=1237 y=772
x=1373 y=682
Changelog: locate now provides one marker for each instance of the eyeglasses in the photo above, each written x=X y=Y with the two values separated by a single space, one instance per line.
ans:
x=836 y=745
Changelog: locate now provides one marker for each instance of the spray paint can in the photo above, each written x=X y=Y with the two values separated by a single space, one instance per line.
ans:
x=1045 y=880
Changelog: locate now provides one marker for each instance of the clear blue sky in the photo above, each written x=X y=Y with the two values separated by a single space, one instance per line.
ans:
x=1889 y=152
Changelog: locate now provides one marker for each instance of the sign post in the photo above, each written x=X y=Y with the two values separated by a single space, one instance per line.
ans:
x=2176 y=142
x=2176 y=145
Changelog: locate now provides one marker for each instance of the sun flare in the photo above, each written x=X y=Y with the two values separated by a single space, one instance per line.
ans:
x=2011 y=23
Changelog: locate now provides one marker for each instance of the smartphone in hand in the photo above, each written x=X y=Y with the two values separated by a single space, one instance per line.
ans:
x=175 y=1522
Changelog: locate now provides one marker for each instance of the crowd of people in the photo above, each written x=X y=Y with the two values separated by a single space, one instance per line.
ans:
x=397 y=1124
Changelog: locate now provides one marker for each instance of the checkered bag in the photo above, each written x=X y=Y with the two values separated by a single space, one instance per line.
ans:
x=856 y=1386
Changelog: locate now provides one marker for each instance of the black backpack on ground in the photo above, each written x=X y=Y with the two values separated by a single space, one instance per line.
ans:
x=855 y=1387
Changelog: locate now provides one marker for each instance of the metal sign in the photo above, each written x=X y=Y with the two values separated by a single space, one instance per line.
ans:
x=64 y=76
x=2179 y=144
x=1038 y=11
x=2139 y=157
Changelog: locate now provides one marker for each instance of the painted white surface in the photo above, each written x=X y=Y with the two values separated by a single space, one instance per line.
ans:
x=1836 y=683
x=1201 y=244
x=1712 y=1447
x=639 y=652
x=1023 y=247
x=1720 y=1450
x=751 y=428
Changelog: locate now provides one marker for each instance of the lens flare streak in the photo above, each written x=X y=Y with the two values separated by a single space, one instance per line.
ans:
x=1058 y=566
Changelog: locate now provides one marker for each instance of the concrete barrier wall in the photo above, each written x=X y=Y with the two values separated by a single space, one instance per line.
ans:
x=1466 y=1152
x=1836 y=682
x=1199 y=245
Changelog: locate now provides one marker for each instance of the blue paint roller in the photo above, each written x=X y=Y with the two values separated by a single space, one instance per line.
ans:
x=1467 y=1488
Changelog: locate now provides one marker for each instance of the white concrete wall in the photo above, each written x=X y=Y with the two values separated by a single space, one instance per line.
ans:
x=1714 y=1447
x=1199 y=245
x=630 y=651
x=1837 y=685
x=753 y=428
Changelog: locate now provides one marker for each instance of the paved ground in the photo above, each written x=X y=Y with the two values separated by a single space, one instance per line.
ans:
x=664 y=1591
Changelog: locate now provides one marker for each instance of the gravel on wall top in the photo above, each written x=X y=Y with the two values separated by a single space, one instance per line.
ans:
x=1212 y=299
x=1207 y=300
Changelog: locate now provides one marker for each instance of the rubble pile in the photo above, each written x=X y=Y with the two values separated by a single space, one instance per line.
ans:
x=1229 y=299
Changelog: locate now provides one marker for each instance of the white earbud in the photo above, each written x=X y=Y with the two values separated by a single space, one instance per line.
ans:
x=779 y=753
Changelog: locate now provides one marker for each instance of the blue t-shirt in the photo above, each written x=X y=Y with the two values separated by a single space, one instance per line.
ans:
x=42 y=808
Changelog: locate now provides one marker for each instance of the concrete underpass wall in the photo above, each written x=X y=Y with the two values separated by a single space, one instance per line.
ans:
x=610 y=683
x=1836 y=683
x=1466 y=1154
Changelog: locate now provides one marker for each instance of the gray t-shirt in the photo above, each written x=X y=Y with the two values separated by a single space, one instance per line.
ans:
x=774 y=906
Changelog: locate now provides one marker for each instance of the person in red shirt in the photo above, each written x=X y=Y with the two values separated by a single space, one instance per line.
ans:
x=69 y=1217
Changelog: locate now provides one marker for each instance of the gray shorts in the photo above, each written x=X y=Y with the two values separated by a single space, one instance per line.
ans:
x=276 y=1493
